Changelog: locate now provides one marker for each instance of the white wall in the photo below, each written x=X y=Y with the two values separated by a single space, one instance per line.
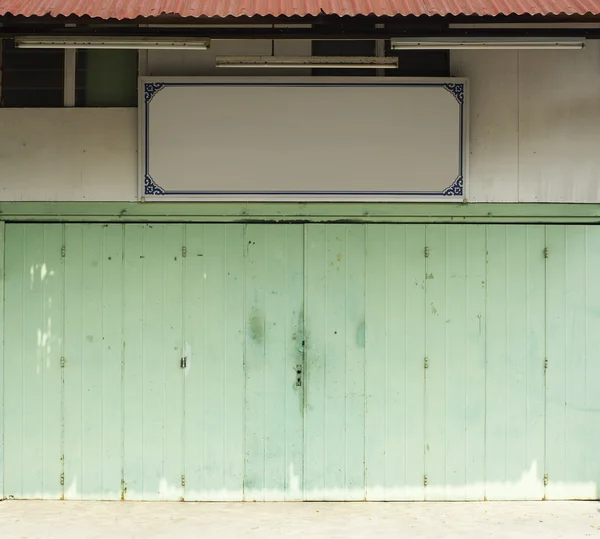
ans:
x=535 y=124
x=534 y=121
x=68 y=154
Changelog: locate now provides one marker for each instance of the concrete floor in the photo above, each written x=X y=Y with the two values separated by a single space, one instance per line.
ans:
x=119 y=520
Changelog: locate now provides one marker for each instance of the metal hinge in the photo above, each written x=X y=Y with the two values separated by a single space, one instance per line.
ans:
x=425 y=480
x=545 y=363
x=545 y=479
x=183 y=480
x=62 y=479
x=545 y=252
x=184 y=251
x=426 y=363
x=62 y=362
x=63 y=251
x=298 y=375
x=183 y=362
x=426 y=252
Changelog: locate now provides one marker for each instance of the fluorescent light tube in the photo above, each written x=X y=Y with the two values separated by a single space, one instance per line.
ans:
x=367 y=62
x=482 y=43
x=525 y=26
x=111 y=42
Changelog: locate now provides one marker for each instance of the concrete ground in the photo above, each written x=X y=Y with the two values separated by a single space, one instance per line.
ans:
x=120 y=520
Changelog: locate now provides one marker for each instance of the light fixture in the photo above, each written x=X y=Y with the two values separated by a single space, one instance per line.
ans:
x=355 y=62
x=478 y=43
x=525 y=26
x=111 y=42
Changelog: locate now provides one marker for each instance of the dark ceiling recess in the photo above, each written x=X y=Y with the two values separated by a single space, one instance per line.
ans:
x=321 y=28
x=343 y=48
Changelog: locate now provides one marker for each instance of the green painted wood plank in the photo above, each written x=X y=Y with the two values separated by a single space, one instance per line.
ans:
x=35 y=296
x=414 y=380
x=2 y=277
x=592 y=361
x=274 y=334
x=454 y=412
x=558 y=375
x=172 y=351
x=162 y=353
x=572 y=398
x=78 y=292
x=317 y=337
x=259 y=472
x=153 y=383
x=395 y=340
x=455 y=281
x=498 y=470
x=50 y=347
x=355 y=322
x=515 y=351
x=92 y=373
x=195 y=334
x=410 y=212
x=231 y=344
x=377 y=366
x=335 y=313
x=214 y=377
x=475 y=363
x=153 y=380
x=155 y=485
x=534 y=334
x=133 y=374
x=16 y=284
x=437 y=399
x=112 y=363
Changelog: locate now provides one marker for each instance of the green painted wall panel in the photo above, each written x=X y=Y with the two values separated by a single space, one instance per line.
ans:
x=335 y=386
x=592 y=363
x=2 y=315
x=515 y=351
x=317 y=212
x=133 y=367
x=172 y=349
x=15 y=288
x=92 y=373
x=274 y=292
x=438 y=396
x=475 y=331
x=153 y=379
x=214 y=376
x=455 y=374
x=33 y=387
x=394 y=370
x=573 y=397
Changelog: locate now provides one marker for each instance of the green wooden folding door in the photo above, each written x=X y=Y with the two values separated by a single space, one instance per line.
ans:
x=301 y=362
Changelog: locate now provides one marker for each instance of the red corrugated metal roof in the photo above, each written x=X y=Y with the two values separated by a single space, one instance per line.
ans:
x=131 y=9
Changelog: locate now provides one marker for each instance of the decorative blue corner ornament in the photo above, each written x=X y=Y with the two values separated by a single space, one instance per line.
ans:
x=151 y=89
x=456 y=189
x=457 y=90
x=151 y=187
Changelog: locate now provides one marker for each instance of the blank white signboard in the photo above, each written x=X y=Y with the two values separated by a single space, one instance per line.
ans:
x=241 y=139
